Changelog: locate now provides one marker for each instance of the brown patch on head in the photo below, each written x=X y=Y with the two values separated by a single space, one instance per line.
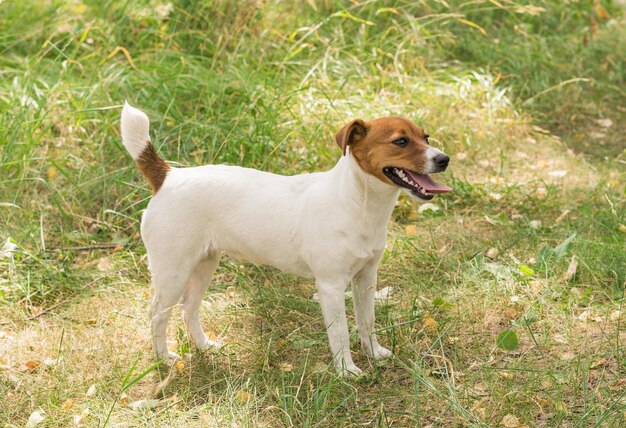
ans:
x=152 y=167
x=372 y=145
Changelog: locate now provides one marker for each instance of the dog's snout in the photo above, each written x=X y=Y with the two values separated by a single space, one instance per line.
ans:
x=441 y=161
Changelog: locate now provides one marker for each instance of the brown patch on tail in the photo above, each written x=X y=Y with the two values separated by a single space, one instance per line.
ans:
x=152 y=167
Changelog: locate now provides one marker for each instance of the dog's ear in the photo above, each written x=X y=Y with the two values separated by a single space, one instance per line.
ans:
x=351 y=133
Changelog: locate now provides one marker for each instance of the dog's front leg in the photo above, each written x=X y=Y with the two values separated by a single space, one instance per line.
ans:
x=333 y=304
x=363 y=296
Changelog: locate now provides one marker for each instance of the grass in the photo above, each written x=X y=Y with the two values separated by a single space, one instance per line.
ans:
x=526 y=99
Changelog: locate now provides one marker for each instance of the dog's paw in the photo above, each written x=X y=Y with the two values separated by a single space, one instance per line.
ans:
x=209 y=344
x=170 y=358
x=379 y=353
x=349 y=371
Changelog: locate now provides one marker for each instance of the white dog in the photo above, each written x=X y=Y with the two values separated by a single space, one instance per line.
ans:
x=331 y=226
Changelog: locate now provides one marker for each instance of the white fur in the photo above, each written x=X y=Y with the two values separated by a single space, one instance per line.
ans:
x=331 y=226
x=431 y=153
x=135 y=130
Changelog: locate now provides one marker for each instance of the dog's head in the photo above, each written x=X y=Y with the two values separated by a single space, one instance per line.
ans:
x=396 y=151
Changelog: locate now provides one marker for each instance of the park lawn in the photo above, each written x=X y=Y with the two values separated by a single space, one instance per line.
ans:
x=506 y=302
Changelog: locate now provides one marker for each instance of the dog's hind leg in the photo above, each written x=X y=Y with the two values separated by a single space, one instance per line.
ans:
x=169 y=286
x=192 y=300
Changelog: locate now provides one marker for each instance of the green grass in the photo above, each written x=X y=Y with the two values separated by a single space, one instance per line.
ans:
x=518 y=96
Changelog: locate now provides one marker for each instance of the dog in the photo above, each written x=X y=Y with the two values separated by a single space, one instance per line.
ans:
x=331 y=226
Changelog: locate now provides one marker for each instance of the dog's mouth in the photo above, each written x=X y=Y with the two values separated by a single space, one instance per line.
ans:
x=420 y=185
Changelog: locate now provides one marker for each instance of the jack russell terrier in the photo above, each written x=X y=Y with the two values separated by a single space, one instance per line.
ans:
x=331 y=226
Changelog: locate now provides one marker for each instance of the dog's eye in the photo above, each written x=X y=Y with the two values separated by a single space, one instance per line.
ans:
x=426 y=138
x=401 y=142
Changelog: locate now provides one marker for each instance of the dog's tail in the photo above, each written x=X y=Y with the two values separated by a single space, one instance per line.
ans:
x=136 y=139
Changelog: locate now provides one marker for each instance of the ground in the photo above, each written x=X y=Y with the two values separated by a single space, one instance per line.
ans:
x=505 y=304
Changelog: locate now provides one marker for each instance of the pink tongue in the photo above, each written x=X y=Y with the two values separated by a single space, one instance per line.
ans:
x=427 y=183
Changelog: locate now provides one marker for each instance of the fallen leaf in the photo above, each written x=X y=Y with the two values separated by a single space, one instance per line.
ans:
x=598 y=318
x=430 y=324
x=558 y=173
x=36 y=417
x=68 y=403
x=510 y=421
x=8 y=248
x=117 y=249
x=604 y=15
x=243 y=396
x=281 y=344
x=91 y=391
x=52 y=173
x=82 y=418
x=605 y=123
x=492 y=253
x=428 y=206
x=144 y=404
x=571 y=269
x=602 y=362
x=411 y=230
x=507 y=340
x=104 y=264
x=29 y=365
x=285 y=367
x=383 y=294
x=584 y=315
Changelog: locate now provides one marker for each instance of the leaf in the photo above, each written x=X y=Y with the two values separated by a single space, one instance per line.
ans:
x=428 y=206
x=430 y=324
x=243 y=396
x=91 y=391
x=383 y=294
x=510 y=421
x=508 y=340
x=411 y=230
x=526 y=270
x=29 y=365
x=492 y=253
x=82 y=418
x=36 y=417
x=52 y=173
x=561 y=249
x=601 y=11
x=151 y=403
x=441 y=303
x=571 y=269
x=605 y=123
x=281 y=344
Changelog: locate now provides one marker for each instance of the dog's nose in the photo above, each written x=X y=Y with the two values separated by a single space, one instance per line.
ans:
x=441 y=160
